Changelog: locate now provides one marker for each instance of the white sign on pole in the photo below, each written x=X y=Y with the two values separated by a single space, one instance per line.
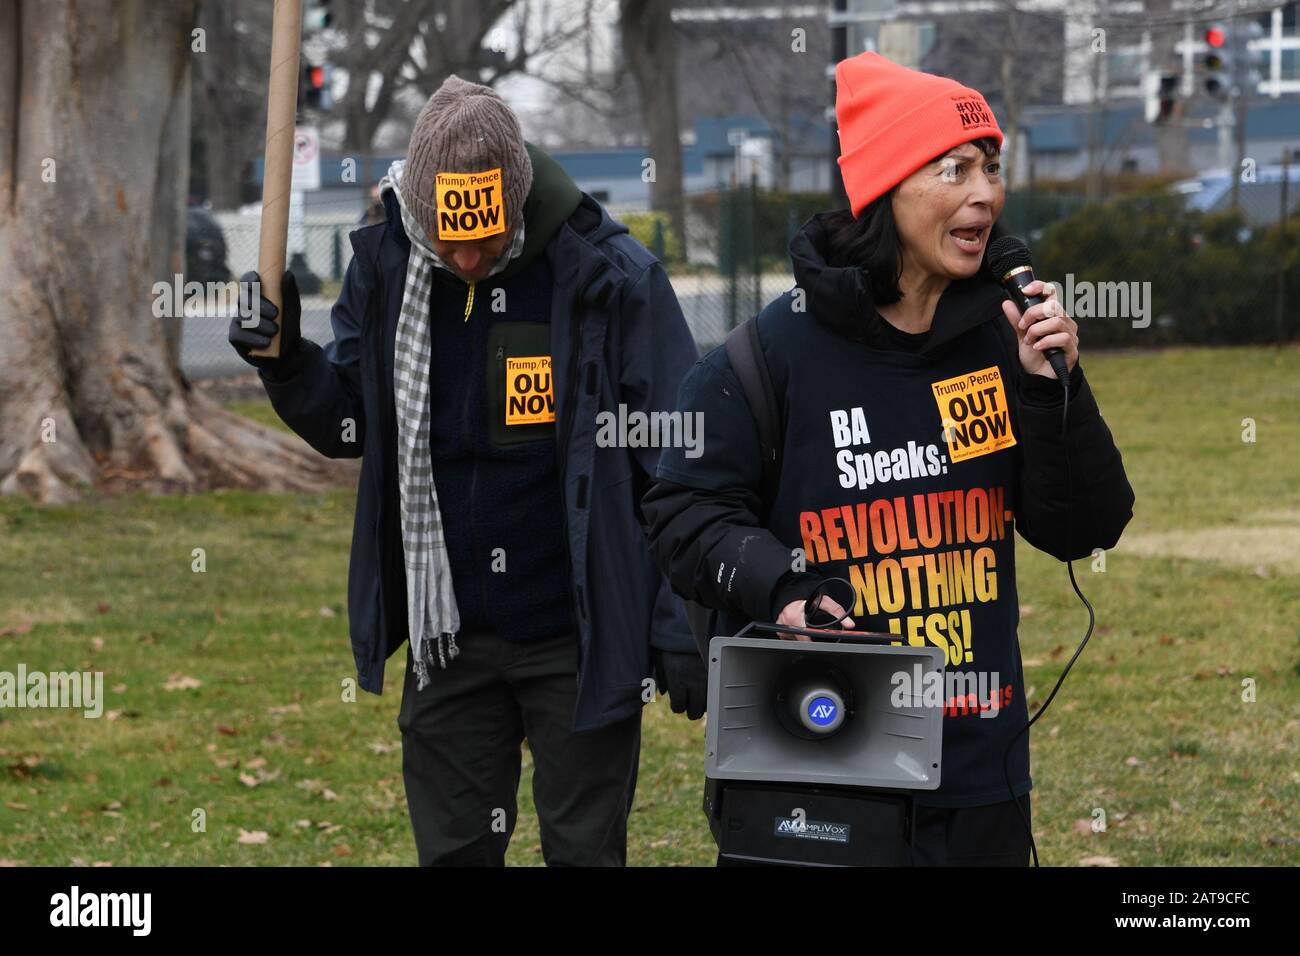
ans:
x=306 y=158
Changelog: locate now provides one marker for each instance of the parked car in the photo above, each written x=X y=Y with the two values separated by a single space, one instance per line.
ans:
x=1260 y=196
x=205 y=247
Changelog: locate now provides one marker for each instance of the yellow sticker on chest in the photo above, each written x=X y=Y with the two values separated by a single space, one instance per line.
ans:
x=469 y=205
x=974 y=414
x=530 y=396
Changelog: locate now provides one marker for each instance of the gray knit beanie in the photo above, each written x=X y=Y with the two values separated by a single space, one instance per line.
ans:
x=465 y=128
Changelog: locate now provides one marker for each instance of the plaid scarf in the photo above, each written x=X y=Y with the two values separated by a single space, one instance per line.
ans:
x=431 y=614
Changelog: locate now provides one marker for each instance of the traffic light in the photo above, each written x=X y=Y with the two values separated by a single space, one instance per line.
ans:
x=1161 y=96
x=316 y=86
x=1249 y=62
x=1168 y=95
x=317 y=15
x=1217 y=60
x=1161 y=91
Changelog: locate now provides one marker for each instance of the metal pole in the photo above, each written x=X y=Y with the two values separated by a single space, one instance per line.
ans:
x=1237 y=97
x=839 y=51
x=753 y=242
x=1279 y=315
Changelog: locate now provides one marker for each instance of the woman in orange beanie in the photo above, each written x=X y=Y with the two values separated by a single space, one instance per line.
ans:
x=919 y=426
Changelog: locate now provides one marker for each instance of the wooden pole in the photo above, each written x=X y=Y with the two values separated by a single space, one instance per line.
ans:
x=277 y=165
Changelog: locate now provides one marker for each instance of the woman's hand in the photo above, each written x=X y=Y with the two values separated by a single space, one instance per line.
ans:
x=1043 y=327
x=792 y=615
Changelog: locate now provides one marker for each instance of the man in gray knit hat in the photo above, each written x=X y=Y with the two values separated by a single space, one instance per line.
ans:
x=483 y=332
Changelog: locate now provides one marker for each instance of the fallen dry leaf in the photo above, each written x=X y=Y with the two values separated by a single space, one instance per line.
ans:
x=181 y=682
x=253 y=837
x=1099 y=861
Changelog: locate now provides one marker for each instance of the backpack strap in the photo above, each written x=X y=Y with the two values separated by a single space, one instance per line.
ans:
x=745 y=354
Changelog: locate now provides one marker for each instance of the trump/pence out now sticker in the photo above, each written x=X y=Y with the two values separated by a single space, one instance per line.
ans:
x=973 y=410
x=530 y=396
x=469 y=205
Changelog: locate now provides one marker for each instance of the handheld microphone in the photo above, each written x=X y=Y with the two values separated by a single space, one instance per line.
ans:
x=1009 y=263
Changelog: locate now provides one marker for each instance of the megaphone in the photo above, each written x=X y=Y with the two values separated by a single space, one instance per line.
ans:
x=812 y=756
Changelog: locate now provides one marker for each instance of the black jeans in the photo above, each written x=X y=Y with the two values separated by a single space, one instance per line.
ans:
x=991 y=835
x=461 y=740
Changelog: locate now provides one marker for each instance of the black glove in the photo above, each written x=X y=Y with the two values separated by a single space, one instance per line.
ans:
x=683 y=678
x=259 y=336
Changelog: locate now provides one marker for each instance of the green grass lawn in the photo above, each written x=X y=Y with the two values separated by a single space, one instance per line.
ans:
x=227 y=700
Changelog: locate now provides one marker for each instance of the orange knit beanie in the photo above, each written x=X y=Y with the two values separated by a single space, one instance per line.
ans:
x=892 y=121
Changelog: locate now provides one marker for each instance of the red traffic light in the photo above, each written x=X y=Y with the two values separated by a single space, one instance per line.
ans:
x=316 y=77
x=1215 y=37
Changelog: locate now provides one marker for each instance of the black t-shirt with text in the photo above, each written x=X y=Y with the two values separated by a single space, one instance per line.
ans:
x=899 y=475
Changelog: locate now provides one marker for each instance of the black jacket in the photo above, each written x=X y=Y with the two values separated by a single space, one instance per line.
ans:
x=617 y=336
x=694 y=530
x=907 y=463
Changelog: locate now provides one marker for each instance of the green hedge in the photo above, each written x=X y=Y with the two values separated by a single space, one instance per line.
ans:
x=652 y=230
x=1212 y=281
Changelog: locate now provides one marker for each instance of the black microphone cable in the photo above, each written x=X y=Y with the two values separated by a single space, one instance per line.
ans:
x=812 y=605
x=1092 y=620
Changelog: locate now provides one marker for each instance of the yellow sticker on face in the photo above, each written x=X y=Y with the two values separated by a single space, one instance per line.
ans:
x=973 y=410
x=529 y=396
x=469 y=205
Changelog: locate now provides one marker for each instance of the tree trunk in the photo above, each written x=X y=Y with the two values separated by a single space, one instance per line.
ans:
x=1010 y=55
x=94 y=161
x=230 y=94
x=361 y=125
x=650 y=47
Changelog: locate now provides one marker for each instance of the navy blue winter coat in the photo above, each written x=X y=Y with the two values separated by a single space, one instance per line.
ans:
x=617 y=336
